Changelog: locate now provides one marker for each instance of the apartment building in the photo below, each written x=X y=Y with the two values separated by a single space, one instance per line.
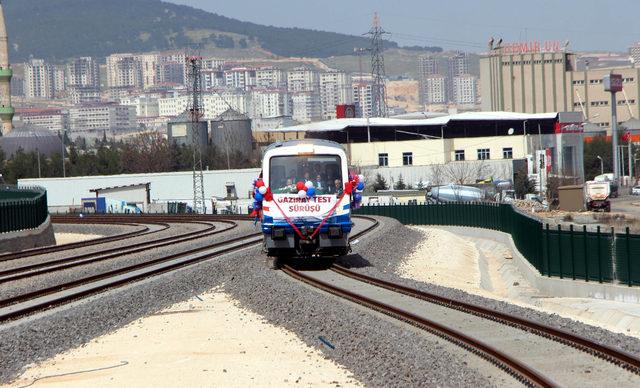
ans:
x=306 y=107
x=335 y=89
x=457 y=64
x=435 y=90
x=214 y=104
x=362 y=86
x=267 y=103
x=271 y=78
x=302 y=79
x=102 y=117
x=427 y=67
x=83 y=72
x=240 y=78
x=52 y=119
x=465 y=89
x=123 y=71
x=38 y=79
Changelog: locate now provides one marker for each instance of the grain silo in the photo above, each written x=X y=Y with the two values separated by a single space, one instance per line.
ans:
x=179 y=131
x=232 y=131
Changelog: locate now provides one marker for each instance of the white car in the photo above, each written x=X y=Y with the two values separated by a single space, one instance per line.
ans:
x=635 y=190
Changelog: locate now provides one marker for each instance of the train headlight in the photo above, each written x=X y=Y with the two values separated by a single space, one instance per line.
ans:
x=335 y=232
x=278 y=233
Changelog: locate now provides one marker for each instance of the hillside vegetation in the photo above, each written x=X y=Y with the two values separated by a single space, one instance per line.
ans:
x=59 y=29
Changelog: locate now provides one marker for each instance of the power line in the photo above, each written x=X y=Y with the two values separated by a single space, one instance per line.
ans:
x=195 y=108
x=378 y=89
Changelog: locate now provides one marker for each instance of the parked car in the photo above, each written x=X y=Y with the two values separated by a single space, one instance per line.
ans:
x=635 y=190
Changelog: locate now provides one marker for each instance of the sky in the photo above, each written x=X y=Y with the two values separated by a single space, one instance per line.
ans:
x=455 y=24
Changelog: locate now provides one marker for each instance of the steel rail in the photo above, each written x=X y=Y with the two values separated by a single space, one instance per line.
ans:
x=616 y=356
x=80 y=244
x=43 y=299
x=51 y=266
x=10 y=308
x=518 y=369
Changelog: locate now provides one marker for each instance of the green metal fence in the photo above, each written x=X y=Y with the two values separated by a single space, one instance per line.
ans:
x=600 y=255
x=627 y=250
x=22 y=208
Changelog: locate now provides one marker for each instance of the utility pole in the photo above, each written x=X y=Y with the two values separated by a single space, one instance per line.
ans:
x=64 y=170
x=195 y=108
x=378 y=88
x=613 y=84
x=39 y=171
x=359 y=52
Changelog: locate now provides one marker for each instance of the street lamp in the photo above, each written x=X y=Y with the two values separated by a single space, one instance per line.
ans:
x=601 y=165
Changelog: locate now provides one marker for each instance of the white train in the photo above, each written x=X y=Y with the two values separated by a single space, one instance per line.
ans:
x=306 y=205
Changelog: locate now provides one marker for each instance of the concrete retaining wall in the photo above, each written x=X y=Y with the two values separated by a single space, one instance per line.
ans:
x=549 y=285
x=25 y=239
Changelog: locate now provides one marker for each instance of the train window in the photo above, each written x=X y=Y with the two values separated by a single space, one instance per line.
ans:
x=325 y=171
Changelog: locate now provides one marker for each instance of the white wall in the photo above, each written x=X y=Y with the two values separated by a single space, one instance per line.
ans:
x=171 y=186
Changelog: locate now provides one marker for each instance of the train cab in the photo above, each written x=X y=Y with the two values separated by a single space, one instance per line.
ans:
x=306 y=209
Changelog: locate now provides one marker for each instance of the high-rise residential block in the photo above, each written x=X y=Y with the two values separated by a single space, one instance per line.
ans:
x=362 y=88
x=435 y=90
x=267 y=103
x=302 y=79
x=306 y=107
x=271 y=78
x=123 y=71
x=38 y=79
x=634 y=53
x=465 y=89
x=335 y=89
x=457 y=64
x=240 y=78
x=83 y=72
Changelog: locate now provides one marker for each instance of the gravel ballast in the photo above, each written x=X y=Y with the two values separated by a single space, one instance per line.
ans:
x=379 y=261
x=377 y=351
x=100 y=229
x=30 y=284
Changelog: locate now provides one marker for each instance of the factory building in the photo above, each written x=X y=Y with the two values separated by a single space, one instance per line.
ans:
x=500 y=142
x=540 y=77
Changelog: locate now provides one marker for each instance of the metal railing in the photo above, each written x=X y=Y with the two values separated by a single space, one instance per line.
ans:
x=602 y=256
x=22 y=208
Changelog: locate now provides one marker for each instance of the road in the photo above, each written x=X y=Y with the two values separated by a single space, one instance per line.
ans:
x=628 y=204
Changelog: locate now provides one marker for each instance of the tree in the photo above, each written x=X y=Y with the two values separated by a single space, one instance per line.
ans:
x=400 y=185
x=521 y=183
x=380 y=183
x=437 y=174
x=598 y=146
x=466 y=172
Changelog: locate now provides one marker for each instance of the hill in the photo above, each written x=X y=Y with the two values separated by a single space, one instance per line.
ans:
x=60 y=29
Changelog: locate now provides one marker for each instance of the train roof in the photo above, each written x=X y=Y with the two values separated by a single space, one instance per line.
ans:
x=295 y=143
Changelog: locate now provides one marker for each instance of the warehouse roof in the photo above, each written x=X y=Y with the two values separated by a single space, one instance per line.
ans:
x=120 y=187
x=29 y=139
x=341 y=124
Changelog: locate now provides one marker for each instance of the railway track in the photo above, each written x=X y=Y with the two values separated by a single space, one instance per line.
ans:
x=50 y=266
x=43 y=299
x=535 y=354
x=130 y=220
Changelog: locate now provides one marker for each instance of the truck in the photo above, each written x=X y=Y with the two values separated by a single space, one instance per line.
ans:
x=597 y=196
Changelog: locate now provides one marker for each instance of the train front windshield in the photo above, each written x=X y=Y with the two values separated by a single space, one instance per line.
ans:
x=324 y=171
